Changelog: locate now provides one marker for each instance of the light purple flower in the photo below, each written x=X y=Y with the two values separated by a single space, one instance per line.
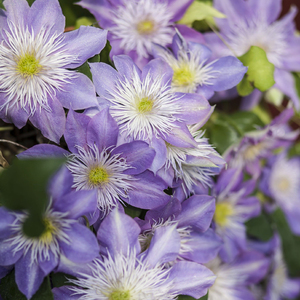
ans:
x=144 y=106
x=134 y=25
x=281 y=182
x=98 y=162
x=233 y=280
x=35 y=58
x=254 y=23
x=192 y=219
x=193 y=73
x=234 y=206
x=122 y=272
x=35 y=258
x=260 y=144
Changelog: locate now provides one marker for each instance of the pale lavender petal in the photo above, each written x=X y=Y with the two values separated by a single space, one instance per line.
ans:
x=190 y=34
x=160 y=158
x=269 y=10
x=164 y=246
x=178 y=7
x=7 y=255
x=46 y=14
x=16 y=10
x=105 y=78
x=48 y=265
x=138 y=155
x=291 y=288
x=102 y=130
x=84 y=42
x=190 y=278
x=126 y=67
x=290 y=60
x=157 y=68
x=29 y=276
x=6 y=220
x=227 y=72
x=76 y=127
x=77 y=203
x=64 y=293
x=147 y=191
x=43 y=150
x=251 y=100
x=197 y=211
x=200 y=50
x=118 y=233
x=51 y=123
x=204 y=246
x=82 y=246
x=78 y=94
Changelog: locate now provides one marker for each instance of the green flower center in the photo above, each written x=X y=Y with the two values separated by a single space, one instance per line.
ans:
x=183 y=76
x=50 y=230
x=145 y=105
x=145 y=27
x=119 y=295
x=98 y=175
x=28 y=65
x=223 y=211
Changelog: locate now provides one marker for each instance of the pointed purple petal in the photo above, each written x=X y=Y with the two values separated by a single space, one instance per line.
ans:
x=126 y=67
x=43 y=150
x=7 y=255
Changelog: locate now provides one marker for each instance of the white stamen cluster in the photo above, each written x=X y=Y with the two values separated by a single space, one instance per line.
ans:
x=116 y=184
x=189 y=70
x=47 y=74
x=269 y=37
x=184 y=233
x=126 y=276
x=156 y=119
x=140 y=23
x=56 y=229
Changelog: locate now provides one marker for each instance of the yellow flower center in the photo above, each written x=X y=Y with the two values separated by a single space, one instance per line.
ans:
x=183 y=76
x=252 y=152
x=119 y=295
x=145 y=27
x=145 y=105
x=283 y=184
x=28 y=65
x=223 y=211
x=98 y=175
x=50 y=230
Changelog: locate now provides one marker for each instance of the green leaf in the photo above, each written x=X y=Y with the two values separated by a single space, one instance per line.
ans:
x=297 y=82
x=132 y=211
x=85 y=69
x=290 y=243
x=246 y=121
x=23 y=186
x=60 y=279
x=198 y=11
x=295 y=150
x=260 y=71
x=263 y=115
x=260 y=227
x=222 y=136
x=84 y=21
x=245 y=87
x=10 y=291
x=274 y=96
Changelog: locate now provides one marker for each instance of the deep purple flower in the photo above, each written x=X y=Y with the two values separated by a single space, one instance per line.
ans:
x=35 y=58
x=193 y=73
x=254 y=23
x=34 y=258
x=234 y=206
x=122 y=272
x=192 y=219
x=134 y=25
x=144 y=106
x=97 y=162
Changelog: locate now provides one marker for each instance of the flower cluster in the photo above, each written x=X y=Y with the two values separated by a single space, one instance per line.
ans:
x=160 y=193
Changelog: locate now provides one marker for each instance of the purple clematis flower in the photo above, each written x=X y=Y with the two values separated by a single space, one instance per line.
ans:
x=233 y=280
x=144 y=106
x=234 y=207
x=35 y=58
x=134 y=25
x=192 y=219
x=116 y=173
x=193 y=73
x=122 y=272
x=260 y=144
x=281 y=182
x=254 y=23
x=34 y=258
